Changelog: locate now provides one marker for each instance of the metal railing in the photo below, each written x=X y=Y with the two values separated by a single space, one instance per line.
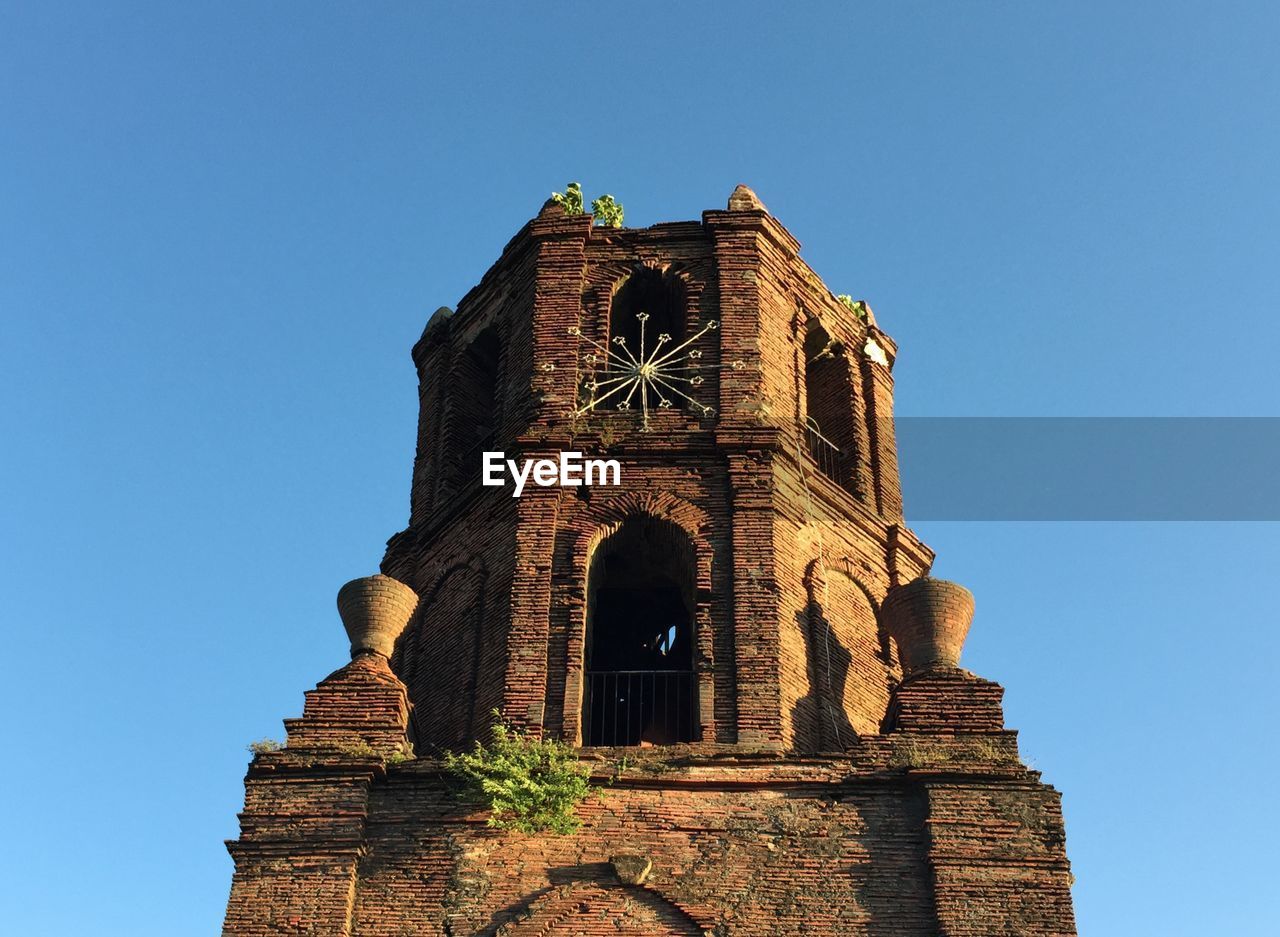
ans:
x=826 y=454
x=634 y=707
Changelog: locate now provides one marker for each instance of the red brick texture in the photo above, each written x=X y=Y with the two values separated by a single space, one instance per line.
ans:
x=823 y=792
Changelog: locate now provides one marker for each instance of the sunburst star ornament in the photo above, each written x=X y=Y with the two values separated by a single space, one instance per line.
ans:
x=645 y=379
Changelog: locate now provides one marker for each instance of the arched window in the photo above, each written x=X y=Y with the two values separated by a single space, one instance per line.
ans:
x=829 y=415
x=440 y=659
x=639 y=652
x=662 y=296
x=475 y=401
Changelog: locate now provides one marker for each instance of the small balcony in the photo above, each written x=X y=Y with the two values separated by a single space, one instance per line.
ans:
x=639 y=707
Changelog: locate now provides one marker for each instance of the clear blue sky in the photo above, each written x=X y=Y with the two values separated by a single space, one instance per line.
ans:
x=223 y=225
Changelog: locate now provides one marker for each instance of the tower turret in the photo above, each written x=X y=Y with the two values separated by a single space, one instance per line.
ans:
x=750 y=411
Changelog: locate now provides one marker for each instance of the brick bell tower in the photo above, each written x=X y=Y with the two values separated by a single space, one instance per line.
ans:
x=741 y=635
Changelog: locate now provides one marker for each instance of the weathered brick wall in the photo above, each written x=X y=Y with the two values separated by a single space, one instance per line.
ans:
x=501 y=303
x=807 y=853
x=836 y=563
x=915 y=832
x=974 y=827
x=441 y=653
x=295 y=894
x=452 y=656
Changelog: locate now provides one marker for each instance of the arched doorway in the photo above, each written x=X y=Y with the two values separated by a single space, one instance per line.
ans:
x=640 y=687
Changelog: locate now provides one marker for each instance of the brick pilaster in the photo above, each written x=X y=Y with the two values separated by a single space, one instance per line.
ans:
x=748 y=436
x=756 y=608
x=525 y=689
x=559 y=279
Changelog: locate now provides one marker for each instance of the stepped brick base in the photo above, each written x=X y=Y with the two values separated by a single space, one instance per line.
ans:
x=932 y=828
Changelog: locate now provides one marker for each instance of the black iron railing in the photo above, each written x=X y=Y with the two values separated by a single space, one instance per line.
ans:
x=827 y=455
x=635 y=707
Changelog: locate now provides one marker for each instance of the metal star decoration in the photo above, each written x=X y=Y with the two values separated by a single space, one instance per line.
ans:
x=648 y=379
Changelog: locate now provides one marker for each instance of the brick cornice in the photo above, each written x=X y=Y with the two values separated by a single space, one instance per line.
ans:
x=759 y=220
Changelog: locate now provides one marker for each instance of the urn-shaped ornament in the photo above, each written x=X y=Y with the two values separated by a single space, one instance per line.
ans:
x=375 y=610
x=929 y=619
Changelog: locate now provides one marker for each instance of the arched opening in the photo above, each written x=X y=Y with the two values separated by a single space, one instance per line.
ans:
x=846 y=691
x=665 y=301
x=829 y=406
x=639 y=650
x=476 y=401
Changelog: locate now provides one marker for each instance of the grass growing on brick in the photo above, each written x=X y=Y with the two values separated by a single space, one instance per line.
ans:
x=529 y=784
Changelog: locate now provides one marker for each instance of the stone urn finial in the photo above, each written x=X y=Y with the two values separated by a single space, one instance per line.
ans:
x=374 y=610
x=929 y=618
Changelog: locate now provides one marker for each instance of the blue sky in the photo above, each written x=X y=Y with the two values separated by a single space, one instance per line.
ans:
x=223 y=225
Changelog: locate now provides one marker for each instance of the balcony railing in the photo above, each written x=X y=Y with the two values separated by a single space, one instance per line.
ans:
x=638 y=707
x=826 y=454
